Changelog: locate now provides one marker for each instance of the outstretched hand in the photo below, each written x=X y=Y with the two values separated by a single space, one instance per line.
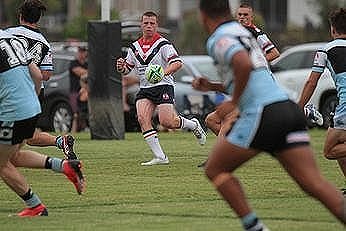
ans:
x=201 y=84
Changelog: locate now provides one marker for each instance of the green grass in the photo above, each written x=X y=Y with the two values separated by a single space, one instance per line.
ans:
x=122 y=195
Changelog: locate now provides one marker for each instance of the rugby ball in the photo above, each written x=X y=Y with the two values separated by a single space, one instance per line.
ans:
x=154 y=73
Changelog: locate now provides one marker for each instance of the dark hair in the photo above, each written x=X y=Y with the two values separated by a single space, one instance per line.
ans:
x=150 y=14
x=338 y=20
x=245 y=5
x=31 y=10
x=215 y=8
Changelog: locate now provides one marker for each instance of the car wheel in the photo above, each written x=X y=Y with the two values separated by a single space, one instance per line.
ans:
x=61 y=117
x=328 y=106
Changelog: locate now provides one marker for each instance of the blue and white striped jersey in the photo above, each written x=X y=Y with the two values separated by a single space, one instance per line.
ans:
x=36 y=44
x=333 y=56
x=18 y=98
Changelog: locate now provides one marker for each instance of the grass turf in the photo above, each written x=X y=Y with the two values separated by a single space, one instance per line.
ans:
x=122 y=195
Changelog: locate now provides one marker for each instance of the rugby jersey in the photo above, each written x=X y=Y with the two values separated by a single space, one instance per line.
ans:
x=262 y=39
x=36 y=44
x=18 y=99
x=230 y=38
x=158 y=51
x=333 y=56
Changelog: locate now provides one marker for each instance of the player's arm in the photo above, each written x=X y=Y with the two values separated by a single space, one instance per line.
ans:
x=272 y=54
x=203 y=84
x=173 y=67
x=309 y=88
x=242 y=67
x=36 y=76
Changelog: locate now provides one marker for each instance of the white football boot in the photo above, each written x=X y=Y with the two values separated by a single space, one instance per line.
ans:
x=155 y=161
x=199 y=132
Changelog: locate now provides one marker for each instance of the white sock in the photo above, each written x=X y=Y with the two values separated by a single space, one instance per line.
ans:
x=186 y=123
x=152 y=140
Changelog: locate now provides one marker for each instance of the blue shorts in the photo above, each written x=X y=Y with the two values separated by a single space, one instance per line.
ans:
x=274 y=128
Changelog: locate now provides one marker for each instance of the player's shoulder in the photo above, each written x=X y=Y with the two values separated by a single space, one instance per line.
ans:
x=5 y=34
x=28 y=33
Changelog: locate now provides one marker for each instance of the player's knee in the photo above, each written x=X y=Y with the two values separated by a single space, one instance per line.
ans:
x=166 y=123
x=219 y=179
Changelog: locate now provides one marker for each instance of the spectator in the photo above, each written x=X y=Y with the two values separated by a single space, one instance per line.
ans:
x=78 y=70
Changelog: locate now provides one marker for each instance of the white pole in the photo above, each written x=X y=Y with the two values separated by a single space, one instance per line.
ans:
x=105 y=10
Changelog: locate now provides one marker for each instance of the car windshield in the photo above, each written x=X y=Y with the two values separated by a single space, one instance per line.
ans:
x=294 y=61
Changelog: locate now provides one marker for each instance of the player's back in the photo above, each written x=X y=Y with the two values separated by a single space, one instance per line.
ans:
x=18 y=99
x=36 y=44
x=227 y=40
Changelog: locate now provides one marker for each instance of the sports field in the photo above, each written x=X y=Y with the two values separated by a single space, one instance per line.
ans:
x=122 y=195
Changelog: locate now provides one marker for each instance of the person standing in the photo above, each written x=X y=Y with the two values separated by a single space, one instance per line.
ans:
x=30 y=13
x=256 y=101
x=333 y=57
x=152 y=48
x=78 y=72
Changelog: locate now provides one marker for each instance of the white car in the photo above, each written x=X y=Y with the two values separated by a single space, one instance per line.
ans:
x=292 y=70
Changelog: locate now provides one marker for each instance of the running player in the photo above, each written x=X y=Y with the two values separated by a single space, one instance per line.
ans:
x=152 y=48
x=257 y=101
x=30 y=12
x=333 y=57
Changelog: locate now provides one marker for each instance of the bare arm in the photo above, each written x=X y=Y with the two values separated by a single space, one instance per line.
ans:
x=173 y=67
x=242 y=66
x=36 y=76
x=309 y=88
x=272 y=54
x=203 y=84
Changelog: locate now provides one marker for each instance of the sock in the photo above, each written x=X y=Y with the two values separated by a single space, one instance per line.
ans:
x=58 y=142
x=251 y=222
x=152 y=140
x=30 y=199
x=54 y=163
x=186 y=123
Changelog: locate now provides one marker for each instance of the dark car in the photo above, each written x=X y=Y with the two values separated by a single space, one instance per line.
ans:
x=56 y=109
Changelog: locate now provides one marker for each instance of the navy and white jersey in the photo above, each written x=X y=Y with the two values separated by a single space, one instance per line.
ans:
x=230 y=38
x=36 y=44
x=18 y=99
x=262 y=39
x=158 y=51
x=333 y=56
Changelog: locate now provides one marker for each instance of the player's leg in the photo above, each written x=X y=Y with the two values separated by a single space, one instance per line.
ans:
x=301 y=166
x=10 y=175
x=213 y=122
x=334 y=146
x=170 y=119
x=145 y=109
x=223 y=160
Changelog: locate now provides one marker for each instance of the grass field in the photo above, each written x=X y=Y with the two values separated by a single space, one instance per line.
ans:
x=122 y=195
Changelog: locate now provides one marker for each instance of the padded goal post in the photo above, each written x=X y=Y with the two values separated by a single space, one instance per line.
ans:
x=106 y=117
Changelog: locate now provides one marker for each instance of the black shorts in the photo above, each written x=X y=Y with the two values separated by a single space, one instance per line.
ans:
x=158 y=95
x=15 y=132
x=283 y=125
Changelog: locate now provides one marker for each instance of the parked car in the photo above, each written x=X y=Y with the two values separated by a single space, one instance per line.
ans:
x=292 y=70
x=56 y=109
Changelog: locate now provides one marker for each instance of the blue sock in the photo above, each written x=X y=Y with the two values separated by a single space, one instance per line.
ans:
x=31 y=199
x=251 y=222
x=56 y=164
x=58 y=142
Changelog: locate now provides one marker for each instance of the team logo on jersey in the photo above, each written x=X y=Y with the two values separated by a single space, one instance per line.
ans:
x=165 y=96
